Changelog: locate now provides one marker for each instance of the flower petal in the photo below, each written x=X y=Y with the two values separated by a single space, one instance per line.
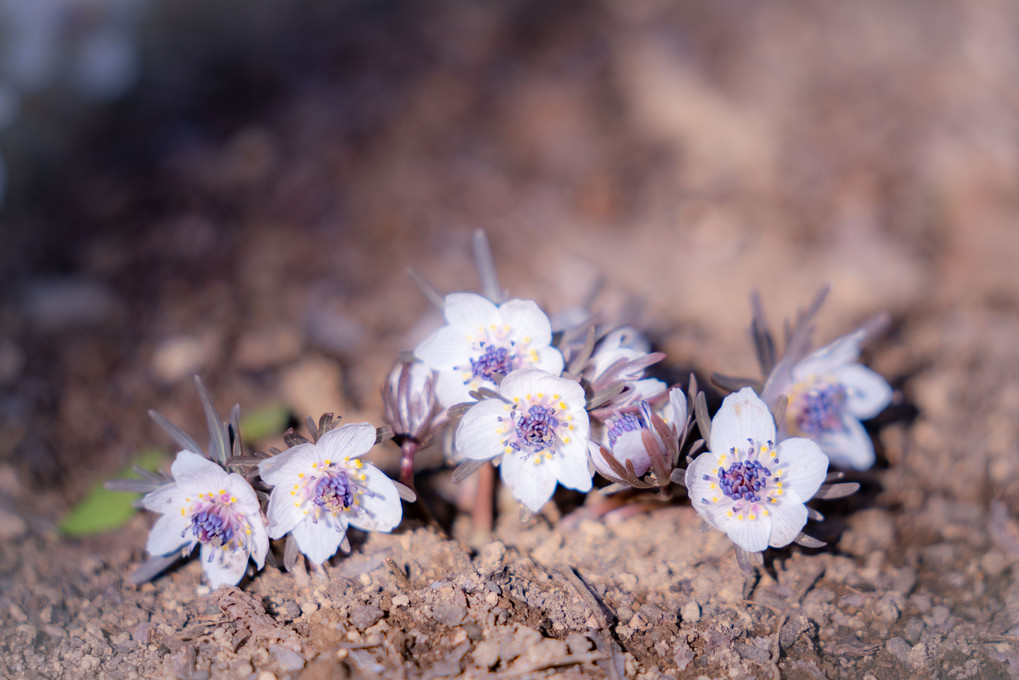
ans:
x=320 y=540
x=285 y=511
x=742 y=416
x=239 y=488
x=704 y=492
x=282 y=469
x=258 y=544
x=572 y=468
x=675 y=413
x=845 y=350
x=347 y=441
x=188 y=463
x=630 y=446
x=526 y=381
x=483 y=429
x=849 y=447
x=527 y=323
x=549 y=359
x=169 y=534
x=788 y=517
x=531 y=484
x=451 y=389
x=803 y=466
x=470 y=312
x=867 y=392
x=381 y=509
x=445 y=349
x=750 y=534
x=226 y=568
x=169 y=498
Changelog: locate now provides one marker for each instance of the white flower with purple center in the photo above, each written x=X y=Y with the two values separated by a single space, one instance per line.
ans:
x=747 y=486
x=829 y=393
x=482 y=343
x=538 y=429
x=319 y=489
x=623 y=435
x=206 y=505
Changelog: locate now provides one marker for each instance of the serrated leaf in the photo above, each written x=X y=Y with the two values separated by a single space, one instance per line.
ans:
x=103 y=509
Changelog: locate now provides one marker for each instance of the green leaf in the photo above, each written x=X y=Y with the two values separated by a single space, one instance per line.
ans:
x=263 y=423
x=102 y=509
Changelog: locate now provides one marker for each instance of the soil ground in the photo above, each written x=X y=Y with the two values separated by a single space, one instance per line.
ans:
x=249 y=212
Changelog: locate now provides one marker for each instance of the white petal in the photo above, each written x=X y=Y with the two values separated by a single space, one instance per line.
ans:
x=750 y=534
x=803 y=466
x=348 y=441
x=788 y=517
x=742 y=416
x=549 y=359
x=533 y=381
x=189 y=463
x=226 y=568
x=630 y=446
x=258 y=541
x=239 y=488
x=532 y=485
x=445 y=349
x=166 y=535
x=699 y=489
x=598 y=461
x=571 y=463
x=470 y=312
x=676 y=411
x=779 y=382
x=319 y=540
x=867 y=392
x=527 y=323
x=481 y=433
x=849 y=447
x=382 y=510
x=282 y=469
x=284 y=513
x=843 y=351
x=168 y=498
x=649 y=389
x=450 y=388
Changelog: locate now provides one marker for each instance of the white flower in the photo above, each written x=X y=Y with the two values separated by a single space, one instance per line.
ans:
x=623 y=435
x=482 y=343
x=206 y=504
x=539 y=429
x=829 y=394
x=747 y=486
x=321 y=488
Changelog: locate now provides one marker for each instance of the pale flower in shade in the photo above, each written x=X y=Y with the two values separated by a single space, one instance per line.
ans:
x=748 y=486
x=206 y=505
x=482 y=343
x=829 y=393
x=623 y=436
x=622 y=356
x=538 y=430
x=319 y=489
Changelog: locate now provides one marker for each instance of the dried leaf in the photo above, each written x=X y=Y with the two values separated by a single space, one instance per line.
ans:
x=829 y=491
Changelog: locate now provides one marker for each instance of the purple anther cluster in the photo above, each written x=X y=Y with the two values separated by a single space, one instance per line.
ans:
x=496 y=361
x=626 y=422
x=743 y=480
x=537 y=428
x=333 y=492
x=819 y=409
x=210 y=528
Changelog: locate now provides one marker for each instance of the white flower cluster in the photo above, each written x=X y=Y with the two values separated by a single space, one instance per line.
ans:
x=548 y=409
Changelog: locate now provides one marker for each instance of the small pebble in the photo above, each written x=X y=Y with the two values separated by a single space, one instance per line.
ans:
x=691 y=612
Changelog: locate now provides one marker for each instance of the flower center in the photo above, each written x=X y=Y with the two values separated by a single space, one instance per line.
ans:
x=743 y=480
x=537 y=428
x=214 y=522
x=333 y=492
x=495 y=361
x=819 y=409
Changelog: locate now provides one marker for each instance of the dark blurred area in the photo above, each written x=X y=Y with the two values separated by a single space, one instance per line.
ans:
x=244 y=203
